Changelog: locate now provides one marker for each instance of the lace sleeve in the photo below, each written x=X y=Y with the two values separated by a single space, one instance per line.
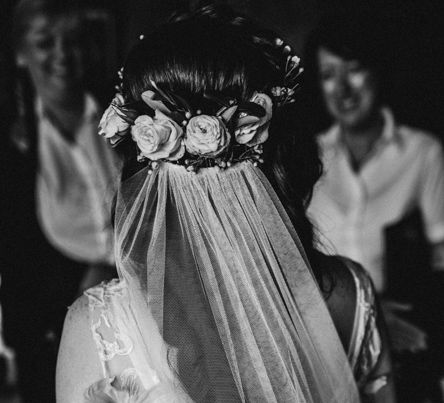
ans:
x=121 y=382
x=116 y=346
x=110 y=341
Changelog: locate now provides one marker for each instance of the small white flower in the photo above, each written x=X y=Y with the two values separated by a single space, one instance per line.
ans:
x=295 y=60
x=278 y=42
x=112 y=124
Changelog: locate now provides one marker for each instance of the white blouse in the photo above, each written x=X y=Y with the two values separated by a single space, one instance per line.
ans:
x=76 y=181
x=352 y=209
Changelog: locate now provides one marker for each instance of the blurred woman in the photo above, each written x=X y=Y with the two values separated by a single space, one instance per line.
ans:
x=59 y=179
x=377 y=173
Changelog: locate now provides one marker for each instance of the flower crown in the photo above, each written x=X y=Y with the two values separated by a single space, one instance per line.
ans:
x=166 y=128
x=166 y=131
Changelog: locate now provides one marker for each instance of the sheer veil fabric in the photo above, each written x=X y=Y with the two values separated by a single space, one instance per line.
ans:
x=223 y=303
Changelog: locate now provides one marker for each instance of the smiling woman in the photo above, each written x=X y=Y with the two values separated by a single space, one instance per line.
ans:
x=349 y=88
x=60 y=183
x=52 y=52
x=49 y=47
x=378 y=174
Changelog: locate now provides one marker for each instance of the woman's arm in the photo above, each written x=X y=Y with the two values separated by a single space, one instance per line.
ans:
x=78 y=365
x=379 y=387
x=371 y=357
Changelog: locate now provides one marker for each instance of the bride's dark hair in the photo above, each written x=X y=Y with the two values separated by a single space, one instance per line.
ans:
x=214 y=50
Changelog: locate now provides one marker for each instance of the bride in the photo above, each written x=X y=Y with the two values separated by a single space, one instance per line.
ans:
x=221 y=296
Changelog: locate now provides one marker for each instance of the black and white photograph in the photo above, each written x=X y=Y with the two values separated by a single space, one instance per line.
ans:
x=222 y=201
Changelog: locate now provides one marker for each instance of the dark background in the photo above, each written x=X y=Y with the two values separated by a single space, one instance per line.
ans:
x=415 y=37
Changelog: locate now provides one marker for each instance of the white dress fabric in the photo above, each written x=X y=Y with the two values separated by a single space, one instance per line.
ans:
x=216 y=301
x=76 y=181
x=115 y=345
x=351 y=209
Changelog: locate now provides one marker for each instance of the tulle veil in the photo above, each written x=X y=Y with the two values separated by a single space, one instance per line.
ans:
x=223 y=303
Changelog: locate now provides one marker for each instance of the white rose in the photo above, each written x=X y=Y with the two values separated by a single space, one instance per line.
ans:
x=159 y=137
x=112 y=125
x=206 y=136
x=252 y=130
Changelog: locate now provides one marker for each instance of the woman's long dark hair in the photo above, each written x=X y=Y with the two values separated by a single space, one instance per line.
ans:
x=214 y=50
